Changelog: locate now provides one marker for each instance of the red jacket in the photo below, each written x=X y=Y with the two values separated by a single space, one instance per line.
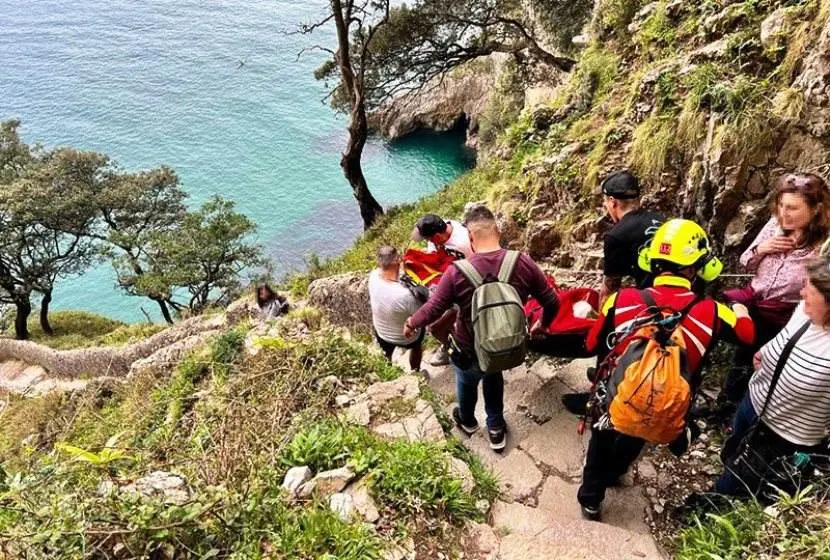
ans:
x=705 y=322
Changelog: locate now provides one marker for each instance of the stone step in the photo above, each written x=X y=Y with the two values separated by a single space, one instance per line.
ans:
x=539 y=533
x=21 y=378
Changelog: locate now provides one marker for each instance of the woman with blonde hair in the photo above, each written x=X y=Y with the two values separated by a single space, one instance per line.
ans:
x=793 y=236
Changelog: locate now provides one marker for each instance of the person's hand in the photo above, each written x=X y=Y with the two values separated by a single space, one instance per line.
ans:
x=756 y=361
x=408 y=331
x=537 y=329
x=777 y=244
x=740 y=310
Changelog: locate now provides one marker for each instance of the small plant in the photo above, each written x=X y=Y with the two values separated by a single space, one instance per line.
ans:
x=325 y=445
x=108 y=455
x=413 y=478
x=226 y=350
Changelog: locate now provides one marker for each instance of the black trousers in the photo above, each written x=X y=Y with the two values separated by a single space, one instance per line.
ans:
x=737 y=380
x=610 y=454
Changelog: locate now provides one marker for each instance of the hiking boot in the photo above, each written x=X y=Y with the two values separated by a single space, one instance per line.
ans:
x=456 y=417
x=441 y=357
x=575 y=403
x=591 y=374
x=591 y=514
x=498 y=438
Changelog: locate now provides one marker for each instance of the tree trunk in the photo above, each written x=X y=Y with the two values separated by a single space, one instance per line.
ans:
x=358 y=126
x=165 y=312
x=370 y=210
x=24 y=309
x=44 y=313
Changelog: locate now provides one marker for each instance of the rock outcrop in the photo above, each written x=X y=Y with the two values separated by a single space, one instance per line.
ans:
x=167 y=346
x=459 y=98
x=344 y=298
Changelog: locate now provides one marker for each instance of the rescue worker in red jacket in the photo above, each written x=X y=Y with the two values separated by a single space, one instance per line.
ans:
x=678 y=253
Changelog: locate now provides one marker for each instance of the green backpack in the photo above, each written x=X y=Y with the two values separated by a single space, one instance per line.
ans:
x=499 y=322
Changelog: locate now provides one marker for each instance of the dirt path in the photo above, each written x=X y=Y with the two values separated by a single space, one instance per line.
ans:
x=538 y=515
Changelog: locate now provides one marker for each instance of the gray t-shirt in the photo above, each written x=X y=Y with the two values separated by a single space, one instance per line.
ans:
x=392 y=304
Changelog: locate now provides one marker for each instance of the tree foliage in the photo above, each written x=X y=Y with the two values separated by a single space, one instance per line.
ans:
x=63 y=209
x=405 y=47
x=45 y=220
x=202 y=256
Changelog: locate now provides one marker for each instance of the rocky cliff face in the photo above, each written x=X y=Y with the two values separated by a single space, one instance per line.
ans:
x=708 y=103
x=458 y=99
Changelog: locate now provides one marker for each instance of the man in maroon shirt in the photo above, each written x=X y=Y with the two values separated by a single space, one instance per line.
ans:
x=454 y=288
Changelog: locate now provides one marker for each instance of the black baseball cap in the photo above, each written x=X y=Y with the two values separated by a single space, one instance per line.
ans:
x=621 y=185
x=427 y=226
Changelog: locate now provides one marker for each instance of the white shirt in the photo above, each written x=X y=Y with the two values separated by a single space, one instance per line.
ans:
x=392 y=304
x=799 y=410
x=459 y=242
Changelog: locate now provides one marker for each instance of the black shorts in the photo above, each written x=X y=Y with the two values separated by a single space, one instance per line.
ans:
x=388 y=347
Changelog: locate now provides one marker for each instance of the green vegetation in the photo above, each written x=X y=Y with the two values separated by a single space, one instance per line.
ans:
x=231 y=424
x=658 y=36
x=62 y=210
x=614 y=17
x=651 y=147
x=80 y=329
x=793 y=527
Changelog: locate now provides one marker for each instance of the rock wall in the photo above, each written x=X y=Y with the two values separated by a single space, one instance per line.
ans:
x=639 y=74
x=460 y=97
x=344 y=298
x=109 y=361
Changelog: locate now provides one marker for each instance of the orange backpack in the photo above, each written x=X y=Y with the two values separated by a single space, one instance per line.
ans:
x=649 y=389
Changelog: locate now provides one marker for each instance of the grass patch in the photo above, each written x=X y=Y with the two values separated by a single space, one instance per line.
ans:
x=652 y=143
x=793 y=527
x=80 y=329
x=328 y=444
x=614 y=17
x=414 y=479
x=658 y=35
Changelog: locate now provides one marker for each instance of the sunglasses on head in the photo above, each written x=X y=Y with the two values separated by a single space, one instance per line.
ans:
x=802 y=182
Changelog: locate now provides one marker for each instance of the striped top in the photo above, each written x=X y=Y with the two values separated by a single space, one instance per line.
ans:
x=799 y=410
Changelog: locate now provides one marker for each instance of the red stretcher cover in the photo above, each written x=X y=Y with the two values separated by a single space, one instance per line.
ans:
x=425 y=269
x=565 y=322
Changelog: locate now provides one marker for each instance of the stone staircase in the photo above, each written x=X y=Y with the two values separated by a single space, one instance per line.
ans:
x=537 y=516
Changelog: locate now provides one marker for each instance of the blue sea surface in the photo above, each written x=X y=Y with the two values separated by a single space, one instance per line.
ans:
x=215 y=90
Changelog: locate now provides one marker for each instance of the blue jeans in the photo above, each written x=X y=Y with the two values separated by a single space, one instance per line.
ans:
x=466 y=390
x=745 y=417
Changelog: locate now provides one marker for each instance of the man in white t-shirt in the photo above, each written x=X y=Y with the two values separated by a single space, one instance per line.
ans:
x=449 y=235
x=452 y=237
x=392 y=304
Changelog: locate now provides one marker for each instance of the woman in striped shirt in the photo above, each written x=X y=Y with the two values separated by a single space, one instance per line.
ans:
x=797 y=415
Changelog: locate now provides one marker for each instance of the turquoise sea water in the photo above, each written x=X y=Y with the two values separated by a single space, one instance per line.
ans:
x=213 y=89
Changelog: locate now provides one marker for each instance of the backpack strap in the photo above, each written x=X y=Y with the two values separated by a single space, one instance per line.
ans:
x=508 y=264
x=782 y=361
x=648 y=299
x=469 y=271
